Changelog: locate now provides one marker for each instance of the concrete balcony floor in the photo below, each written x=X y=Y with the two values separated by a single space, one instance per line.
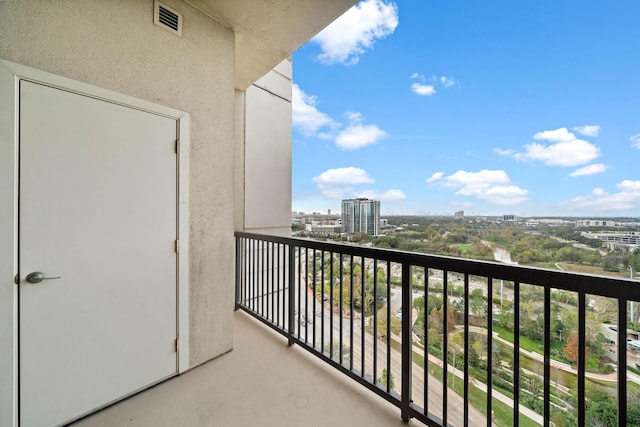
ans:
x=262 y=382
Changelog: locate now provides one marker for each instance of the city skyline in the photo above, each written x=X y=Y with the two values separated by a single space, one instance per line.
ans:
x=528 y=109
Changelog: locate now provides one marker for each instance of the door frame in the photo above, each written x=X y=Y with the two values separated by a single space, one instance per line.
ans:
x=10 y=76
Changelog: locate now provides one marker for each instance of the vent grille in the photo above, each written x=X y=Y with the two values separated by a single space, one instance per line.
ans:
x=167 y=18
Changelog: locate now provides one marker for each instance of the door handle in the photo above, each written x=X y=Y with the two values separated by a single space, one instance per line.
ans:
x=38 y=276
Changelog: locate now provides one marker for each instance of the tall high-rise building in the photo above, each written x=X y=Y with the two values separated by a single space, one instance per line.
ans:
x=361 y=216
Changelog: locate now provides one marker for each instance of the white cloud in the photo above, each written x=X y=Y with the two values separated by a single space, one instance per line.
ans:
x=447 y=81
x=335 y=192
x=629 y=186
x=627 y=198
x=357 y=30
x=420 y=89
x=493 y=186
x=436 y=176
x=387 y=195
x=466 y=179
x=357 y=135
x=313 y=123
x=502 y=152
x=635 y=141
x=306 y=117
x=353 y=117
x=589 y=170
x=565 y=149
x=339 y=184
x=429 y=89
x=588 y=130
x=348 y=175
x=557 y=135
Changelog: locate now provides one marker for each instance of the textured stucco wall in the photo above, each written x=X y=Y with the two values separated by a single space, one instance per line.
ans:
x=115 y=45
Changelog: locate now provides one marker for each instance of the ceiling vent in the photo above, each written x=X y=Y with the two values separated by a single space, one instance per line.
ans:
x=167 y=18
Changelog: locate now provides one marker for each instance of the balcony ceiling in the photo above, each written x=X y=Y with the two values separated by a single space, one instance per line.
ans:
x=268 y=31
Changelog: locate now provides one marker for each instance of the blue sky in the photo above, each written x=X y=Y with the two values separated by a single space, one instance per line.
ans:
x=497 y=107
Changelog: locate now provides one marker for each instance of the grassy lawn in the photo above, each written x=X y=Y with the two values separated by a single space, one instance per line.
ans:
x=463 y=247
x=590 y=269
x=503 y=414
x=528 y=344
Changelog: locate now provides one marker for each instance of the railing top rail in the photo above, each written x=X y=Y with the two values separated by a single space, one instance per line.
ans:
x=562 y=280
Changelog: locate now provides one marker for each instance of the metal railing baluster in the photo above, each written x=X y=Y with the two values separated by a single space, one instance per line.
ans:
x=322 y=303
x=314 y=297
x=341 y=307
x=466 y=351
x=516 y=354
x=445 y=347
x=546 y=391
x=489 y=351
x=362 y=311
x=351 y=313
x=622 y=362
x=375 y=320
x=407 y=351
x=388 y=331
x=581 y=356
x=425 y=391
x=331 y=310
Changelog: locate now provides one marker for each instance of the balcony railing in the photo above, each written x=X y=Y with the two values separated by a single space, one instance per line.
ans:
x=451 y=341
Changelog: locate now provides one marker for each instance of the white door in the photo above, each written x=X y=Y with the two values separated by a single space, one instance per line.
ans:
x=97 y=208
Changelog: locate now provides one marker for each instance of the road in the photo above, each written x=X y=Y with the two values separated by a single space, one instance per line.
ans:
x=455 y=407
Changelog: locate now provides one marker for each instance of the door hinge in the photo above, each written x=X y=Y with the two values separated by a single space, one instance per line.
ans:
x=178 y=146
x=177 y=246
x=177 y=345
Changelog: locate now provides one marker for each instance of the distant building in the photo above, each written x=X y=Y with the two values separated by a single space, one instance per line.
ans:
x=322 y=228
x=508 y=217
x=459 y=215
x=361 y=216
x=552 y=222
x=328 y=211
x=596 y=223
x=630 y=239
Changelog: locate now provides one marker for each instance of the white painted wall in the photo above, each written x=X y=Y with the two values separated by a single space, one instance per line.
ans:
x=267 y=128
x=115 y=45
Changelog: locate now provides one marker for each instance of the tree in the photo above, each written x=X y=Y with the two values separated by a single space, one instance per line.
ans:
x=594 y=338
x=435 y=321
x=474 y=357
x=571 y=348
x=479 y=346
x=604 y=309
x=451 y=318
x=360 y=237
x=601 y=410
x=478 y=303
x=396 y=325
x=456 y=343
x=569 y=321
x=387 y=242
x=386 y=379
x=532 y=318
x=433 y=338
